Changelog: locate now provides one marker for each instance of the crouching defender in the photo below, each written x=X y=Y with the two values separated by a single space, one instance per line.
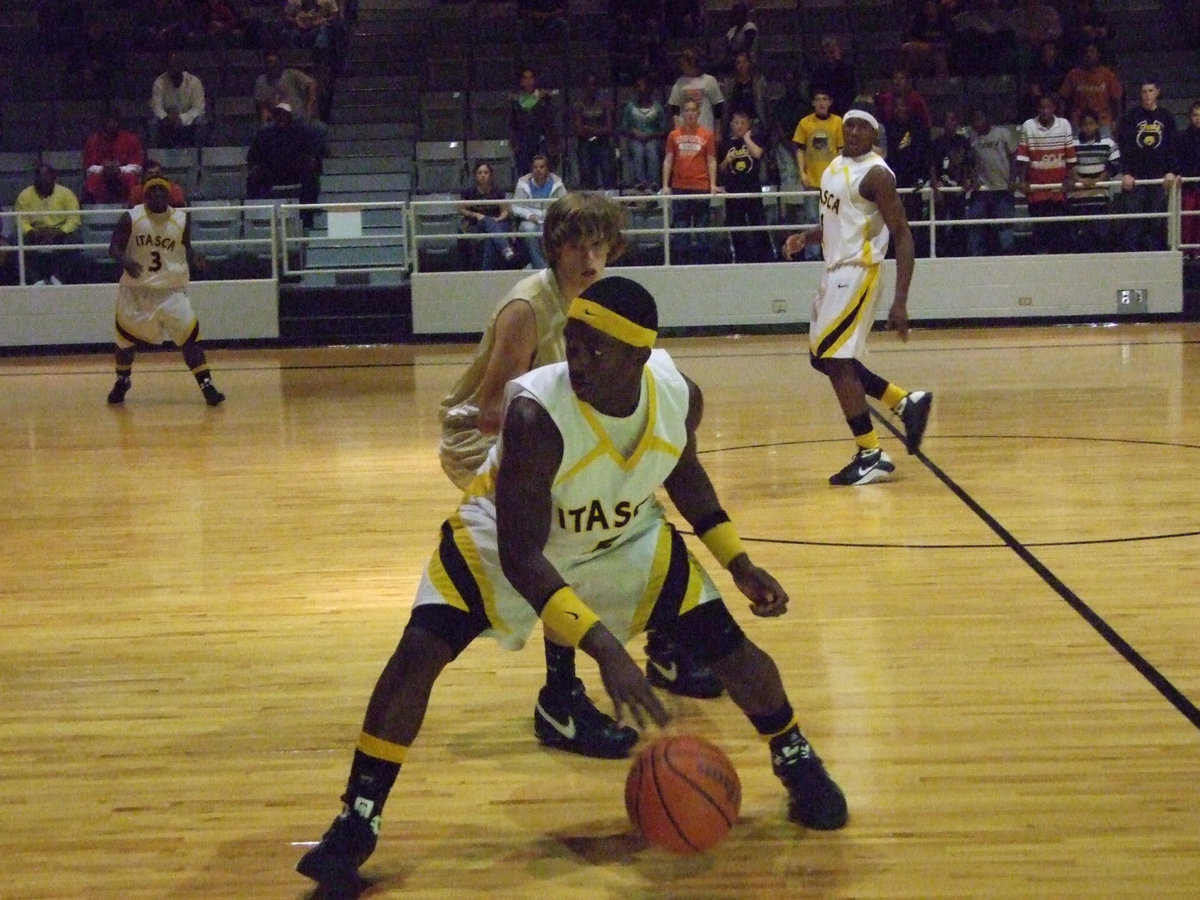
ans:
x=152 y=242
x=562 y=524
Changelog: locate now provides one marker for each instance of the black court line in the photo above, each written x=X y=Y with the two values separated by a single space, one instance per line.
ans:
x=1106 y=631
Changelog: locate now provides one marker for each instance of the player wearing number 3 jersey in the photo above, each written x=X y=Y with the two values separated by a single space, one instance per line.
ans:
x=152 y=242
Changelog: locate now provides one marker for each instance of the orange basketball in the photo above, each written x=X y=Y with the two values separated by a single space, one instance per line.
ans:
x=683 y=794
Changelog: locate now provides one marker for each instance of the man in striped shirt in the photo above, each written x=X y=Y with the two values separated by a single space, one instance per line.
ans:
x=1097 y=159
x=1044 y=155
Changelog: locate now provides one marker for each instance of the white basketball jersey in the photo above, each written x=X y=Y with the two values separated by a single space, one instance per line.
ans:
x=601 y=497
x=852 y=229
x=156 y=242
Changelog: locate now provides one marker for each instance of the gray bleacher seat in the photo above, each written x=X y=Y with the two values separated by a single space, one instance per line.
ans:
x=215 y=220
x=440 y=166
x=446 y=68
x=497 y=154
x=490 y=115
x=180 y=164
x=16 y=174
x=367 y=187
x=443 y=115
x=24 y=125
x=97 y=221
x=438 y=223
x=222 y=173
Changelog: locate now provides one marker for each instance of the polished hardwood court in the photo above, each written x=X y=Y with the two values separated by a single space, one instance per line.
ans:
x=997 y=653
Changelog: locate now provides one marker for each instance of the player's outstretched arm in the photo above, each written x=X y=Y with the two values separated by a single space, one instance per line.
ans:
x=692 y=492
x=532 y=452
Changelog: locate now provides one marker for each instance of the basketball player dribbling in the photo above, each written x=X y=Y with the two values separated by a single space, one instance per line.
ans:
x=562 y=524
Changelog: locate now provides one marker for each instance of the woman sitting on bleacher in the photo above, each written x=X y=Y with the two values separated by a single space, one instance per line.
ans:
x=486 y=218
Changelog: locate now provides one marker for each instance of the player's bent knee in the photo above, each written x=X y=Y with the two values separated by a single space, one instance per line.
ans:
x=709 y=632
x=450 y=625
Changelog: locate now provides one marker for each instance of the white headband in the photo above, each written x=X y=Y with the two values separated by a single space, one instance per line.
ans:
x=861 y=114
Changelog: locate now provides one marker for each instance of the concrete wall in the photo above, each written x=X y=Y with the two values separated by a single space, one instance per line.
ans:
x=1017 y=287
x=83 y=313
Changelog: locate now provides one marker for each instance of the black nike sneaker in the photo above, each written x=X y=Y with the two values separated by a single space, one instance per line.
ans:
x=814 y=800
x=334 y=862
x=670 y=667
x=568 y=720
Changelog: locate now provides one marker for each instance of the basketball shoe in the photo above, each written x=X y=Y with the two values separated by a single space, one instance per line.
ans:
x=814 y=800
x=119 y=390
x=212 y=396
x=865 y=467
x=343 y=848
x=670 y=667
x=913 y=411
x=568 y=720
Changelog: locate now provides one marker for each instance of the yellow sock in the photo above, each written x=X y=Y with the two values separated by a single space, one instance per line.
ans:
x=868 y=441
x=893 y=395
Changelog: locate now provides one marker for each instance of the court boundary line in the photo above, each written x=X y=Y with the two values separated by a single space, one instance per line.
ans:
x=1157 y=680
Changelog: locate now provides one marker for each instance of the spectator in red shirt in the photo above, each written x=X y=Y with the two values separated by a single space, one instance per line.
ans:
x=902 y=88
x=1045 y=156
x=112 y=162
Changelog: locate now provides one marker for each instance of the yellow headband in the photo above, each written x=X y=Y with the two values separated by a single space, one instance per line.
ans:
x=161 y=182
x=613 y=324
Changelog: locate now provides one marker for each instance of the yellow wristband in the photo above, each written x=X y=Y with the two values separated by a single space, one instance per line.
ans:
x=568 y=616
x=723 y=541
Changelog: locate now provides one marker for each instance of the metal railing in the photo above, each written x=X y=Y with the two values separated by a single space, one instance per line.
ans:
x=426 y=228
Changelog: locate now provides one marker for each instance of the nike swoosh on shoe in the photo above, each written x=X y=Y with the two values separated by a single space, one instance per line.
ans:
x=567 y=730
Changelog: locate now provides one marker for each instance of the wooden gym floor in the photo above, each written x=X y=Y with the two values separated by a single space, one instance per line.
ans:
x=997 y=653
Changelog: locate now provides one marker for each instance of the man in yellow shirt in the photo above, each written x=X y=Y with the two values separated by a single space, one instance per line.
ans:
x=56 y=221
x=818 y=140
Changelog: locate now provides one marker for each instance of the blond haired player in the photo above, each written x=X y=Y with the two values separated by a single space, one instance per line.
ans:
x=152 y=242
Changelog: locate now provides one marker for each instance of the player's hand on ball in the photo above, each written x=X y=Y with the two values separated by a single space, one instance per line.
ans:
x=767 y=596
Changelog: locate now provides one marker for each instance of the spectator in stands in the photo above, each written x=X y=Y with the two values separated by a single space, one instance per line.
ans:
x=112 y=162
x=638 y=45
x=297 y=89
x=154 y=169
x=834 y=75
x=741 y=173
x=531 y=122
x=284 y=154
x=690 y=175
x=1093 y=87
x=592 y=128
x=952 y=177
x=1188 y=164
x=486 y=218
x=902 y=88
x=982 y=42
x=644 y=125
x=315 y=25
x=742 y=37
x=745 y=91
x=1045 y=77
x=160 y=24
x=1033 y=22
x=177 y=106
x=995 y=148
x=926 y=46
x=1097 y=159
x=534 y=192
x=1045 y=157
x=55 y=220
x=1083 y=24
x=696 y=84
x=1146 y=138
x=910 y=149
x=818 y=139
